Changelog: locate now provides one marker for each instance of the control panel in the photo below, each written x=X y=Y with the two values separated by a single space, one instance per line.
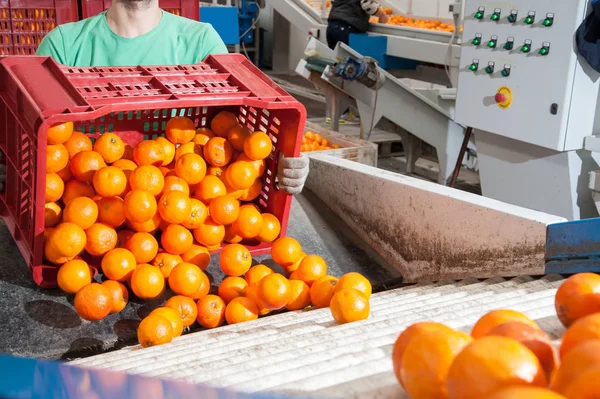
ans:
x=520 y=75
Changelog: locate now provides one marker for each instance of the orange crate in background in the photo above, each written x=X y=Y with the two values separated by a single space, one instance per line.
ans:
x=24 y=23
x=185 y=8
x=134 y=103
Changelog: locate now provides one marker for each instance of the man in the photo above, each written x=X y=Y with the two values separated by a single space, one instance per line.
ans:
x=347 y=17
x=138 y=32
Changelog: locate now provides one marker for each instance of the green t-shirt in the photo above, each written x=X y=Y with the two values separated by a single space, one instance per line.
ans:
x=91 y=42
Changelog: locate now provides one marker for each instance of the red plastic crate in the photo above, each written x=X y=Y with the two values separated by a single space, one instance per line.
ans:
x=24 y=23
x=135 y=103
x=185 y=8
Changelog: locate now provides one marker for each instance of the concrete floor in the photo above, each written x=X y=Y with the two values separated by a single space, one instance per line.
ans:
x=43 y=323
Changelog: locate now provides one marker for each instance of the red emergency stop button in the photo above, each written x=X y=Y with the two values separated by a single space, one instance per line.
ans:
x=500 y=98
x=503 y=97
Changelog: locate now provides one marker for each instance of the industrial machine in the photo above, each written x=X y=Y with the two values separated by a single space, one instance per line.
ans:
x=532 y=103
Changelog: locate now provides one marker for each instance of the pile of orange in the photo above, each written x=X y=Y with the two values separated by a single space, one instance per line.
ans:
x=507 y=355
x=312 y=141
x=150 y=215
x=428 y=24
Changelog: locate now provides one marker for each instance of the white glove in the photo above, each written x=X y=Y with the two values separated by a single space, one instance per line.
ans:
x=292 y=173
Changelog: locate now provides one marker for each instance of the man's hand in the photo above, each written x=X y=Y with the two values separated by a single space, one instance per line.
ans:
x=383 y=17
x=292 y=173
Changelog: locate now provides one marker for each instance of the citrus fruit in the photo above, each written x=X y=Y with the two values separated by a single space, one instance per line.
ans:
x=274 y=291
x=312 y=268
x=174 y=207
x=73 y=276
x=139 y=206
x=249 y=222
x=496 y=317
x=59 y=133
x=209 y=233
x=176 y=239
x=349 y=305
x=111 y=211
x=223 y=122
x=211 y=311
x=269 y=230
x=197 y=215
x=81 y=211
x=235 y=260
x=100 y=238
x=180 y=130
x=191 y=168
x=173 y=316
x=241 y=310
x=148 y=178
x=85 y=164
x=577 y=296
x=185 y=279
x=186 y=308
x=197 y=255
x=322 y=290
x=76 y=143
x=258 y=146
x=210 y=187
x=224 y=209
x=52 y=214
x=57 y=158
x=582 y=357
x=168 y=150
x=148 y=152
x=119 y=295
x=110 y=147
x=232 y=287
x=218 y=152
x=93 y=302
x=355 y=281
x=143 y=246
x=300 y=295
x=585 y=329
x=166 y=262
x=64 y=243
x=516 y=392
x=256 y=273
x=55 y=187
x=155 y=330
x=286 y=251
x=118 y=264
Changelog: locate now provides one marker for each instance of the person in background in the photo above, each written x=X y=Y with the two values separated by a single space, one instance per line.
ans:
x=138 y=32
x=347 y=17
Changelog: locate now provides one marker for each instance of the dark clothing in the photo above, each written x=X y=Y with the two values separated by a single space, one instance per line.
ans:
x=338 y=31
x=350 y=12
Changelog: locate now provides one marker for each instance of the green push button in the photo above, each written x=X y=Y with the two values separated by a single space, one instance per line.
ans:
x=505 y=72
x=476 y=41
x=512 y=18
x=509 y=45
x=495 y=16
x=544 y=51
x=529 y=20
x=548 y=22
x=526 y=48
x=489 y=69
x=479 y=15
x=474 y=67
x=492 y=44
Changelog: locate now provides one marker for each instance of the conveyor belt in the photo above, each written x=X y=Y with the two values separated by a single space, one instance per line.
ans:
x=308 y=353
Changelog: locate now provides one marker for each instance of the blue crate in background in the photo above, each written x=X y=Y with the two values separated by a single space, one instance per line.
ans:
x=225 y=20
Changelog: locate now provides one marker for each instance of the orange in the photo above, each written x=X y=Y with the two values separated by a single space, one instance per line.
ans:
x=174 y=207
x=249 y=222
x=237 y=194
x=166 y=262
x=300 y=295
x=496 y=317
x=355 y=281
x=111 y=211
x=185 y=306
x=312 y=268
x=173 y=316
x=168 y=149
x=253 y=192
x=252 y=294
x=52 y=214
x=119 y=295
x=65 y=173
x=218 y=152
x=197 y=215
x=534 y=339
x=211 y=311
x=55 y=187
x=232 y=287
x=149 y=226
x=223 y=122
x=100 y=239
x=582 y=357
x=143 y=246
x=578 y=296
x=176 y=183
x=202 y=136
x=118 y=264
x=256 y=273
x=427 y=360
x=322 y=290
x=85 y=164
x=515 y=392
x=197 y=255
x=584 y=329
x=155 y=330
x=191 y=168
x=139 y=206
x=148 y=178
x=241 y=310
x=274 y=291
x=235 y=260
x=64 y=243
x=586 y=385
x=110 y=182
x=82 y=211
x=75 y=188
x=110 y=147
x=57 y=158
x=490 y=363
x=237 y=135
x=258 y=165
x=148 y=152
x=93 y=302
x=176 y=239
x=349 y=305
x=125 y=165
x=188 y=148
x=231 y=235
x=204 y=288
x=258 y=146
x=180 y=130
x=59 y=132
x=73 y=276
x=286 y=251
x=224 y=209
x=406 y=337
x=270 y=228
x=210 y=187
x=209 y=233
x=147 y=282
x=216 y=171
x=186 y=279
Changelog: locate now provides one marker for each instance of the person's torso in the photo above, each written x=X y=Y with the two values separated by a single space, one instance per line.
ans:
x=91 y=42
x=351 y=12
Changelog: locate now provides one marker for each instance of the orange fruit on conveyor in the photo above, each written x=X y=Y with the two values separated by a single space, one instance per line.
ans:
x=496 y=317
x=577 y=296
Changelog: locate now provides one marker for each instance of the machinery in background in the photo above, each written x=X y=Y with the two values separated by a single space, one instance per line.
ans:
x=348 y=78
x=532 y=102
x=236 y=21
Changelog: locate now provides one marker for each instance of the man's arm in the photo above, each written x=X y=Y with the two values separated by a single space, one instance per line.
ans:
x=210 y=43
x=373 y=8
x=53 y=46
